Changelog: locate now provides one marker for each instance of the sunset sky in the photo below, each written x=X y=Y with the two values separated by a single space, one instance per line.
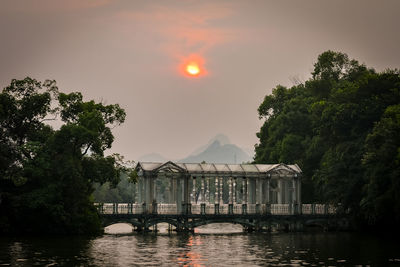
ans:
x=136 y=53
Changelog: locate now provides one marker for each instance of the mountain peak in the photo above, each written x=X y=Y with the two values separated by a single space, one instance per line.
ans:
x=218 y=150
x=214 y=145
x=221 y=138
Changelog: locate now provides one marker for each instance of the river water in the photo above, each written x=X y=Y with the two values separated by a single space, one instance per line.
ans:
x=212 y=245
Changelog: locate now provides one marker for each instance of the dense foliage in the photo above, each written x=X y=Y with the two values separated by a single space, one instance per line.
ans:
x=123 y=192
x=47 y=174
x=342 y=127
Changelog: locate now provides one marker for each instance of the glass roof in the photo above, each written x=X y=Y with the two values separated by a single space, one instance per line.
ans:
x=211 y=168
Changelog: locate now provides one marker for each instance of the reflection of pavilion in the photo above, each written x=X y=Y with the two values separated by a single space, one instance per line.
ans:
x=188 y=185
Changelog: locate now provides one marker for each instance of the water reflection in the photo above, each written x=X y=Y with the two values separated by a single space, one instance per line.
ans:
x=191 y=257
x=203 y=249
x=43 y=251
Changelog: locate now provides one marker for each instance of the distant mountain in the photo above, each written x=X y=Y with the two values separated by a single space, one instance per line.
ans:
x=218 y=150
x=152 y=157
x=223 y=140
x=219 y=153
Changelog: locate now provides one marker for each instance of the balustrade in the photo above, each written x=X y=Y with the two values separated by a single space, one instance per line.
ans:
x=196 y=209
x=216 y=209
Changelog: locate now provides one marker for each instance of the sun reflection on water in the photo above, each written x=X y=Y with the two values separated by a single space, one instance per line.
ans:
x=191 y=257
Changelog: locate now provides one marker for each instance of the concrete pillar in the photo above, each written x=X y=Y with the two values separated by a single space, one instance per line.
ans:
x=230 y=190
x=245 y=195
x=216 y=191
x=152 y=193
x=250 y=190
x=267 y=191
x=294 y=191
x=260 y=187
x=208 y=192
x=194 y=190
x=234 y=197
x=173 y=190
x=257 y=190
x=157 y=194
x=287 y=192
x=186 y=192
x=203 y=193
x=221 y=192
x=298 y=191
x=279 y=191
x=167 y=194
x=179 y=193
x=146 y=190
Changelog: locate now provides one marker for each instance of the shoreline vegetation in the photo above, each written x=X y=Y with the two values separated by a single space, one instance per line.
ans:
x=47 y=174
x=341 y=127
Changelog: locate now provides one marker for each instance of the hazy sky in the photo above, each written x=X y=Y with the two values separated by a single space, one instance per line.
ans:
x=130 y=52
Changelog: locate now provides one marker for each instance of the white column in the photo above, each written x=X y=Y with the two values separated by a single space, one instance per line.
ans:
x=234 y=191
x=208 y=192
x=171 y=190
x=147 y=191
x=216 y=201
x=245 y=189
x=259 y=193
x=267 y=191
x=248 y=200
x=287 y=191
x=230 y=190
x=174 y=182
x=250 y=193
x=294 y=190
x=179 y=194
x=202 y=190
x=221 y=192
x=298 y=190
x=194 y=190
x=279 y=191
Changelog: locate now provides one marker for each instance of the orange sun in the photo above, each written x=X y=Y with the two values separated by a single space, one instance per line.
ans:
x=193 y=66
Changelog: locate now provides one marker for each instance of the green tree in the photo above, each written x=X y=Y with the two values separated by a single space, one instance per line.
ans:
x=381 y=203
x=47 y=175
x=340 y=127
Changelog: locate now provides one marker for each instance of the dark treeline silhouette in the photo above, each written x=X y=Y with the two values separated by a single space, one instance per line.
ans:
x=47 y=174
x=342 y=127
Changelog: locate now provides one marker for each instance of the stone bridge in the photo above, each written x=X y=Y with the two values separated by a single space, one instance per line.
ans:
x=187 y=195
x=253 y=218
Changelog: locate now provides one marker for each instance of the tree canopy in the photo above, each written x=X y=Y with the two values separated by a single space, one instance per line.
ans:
x=341 y=126
x=47 y=174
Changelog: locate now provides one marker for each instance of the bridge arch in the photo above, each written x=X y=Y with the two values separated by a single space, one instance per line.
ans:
x=321 y=223
x=155 y=221
x=242 y=222
x=133 y=223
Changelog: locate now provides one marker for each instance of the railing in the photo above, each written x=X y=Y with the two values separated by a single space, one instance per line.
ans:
x=167 y=209
x=216 y=209
x=318 y=209
x=119 y=208
x=281 y=209
x=196 y=209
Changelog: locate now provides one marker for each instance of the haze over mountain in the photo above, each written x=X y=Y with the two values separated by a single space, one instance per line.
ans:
x=223 y=140
x=219 y=153
x=218 y=150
